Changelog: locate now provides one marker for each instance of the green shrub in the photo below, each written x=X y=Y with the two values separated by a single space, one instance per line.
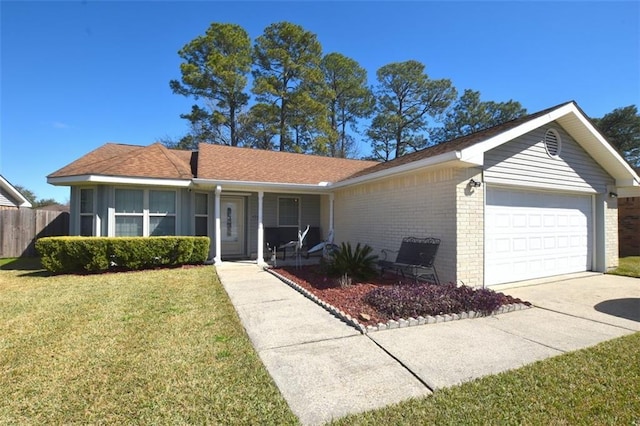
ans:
x=94 y=254
x=358 y=263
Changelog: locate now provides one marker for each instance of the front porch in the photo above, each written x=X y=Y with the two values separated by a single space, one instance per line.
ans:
x=248 y=225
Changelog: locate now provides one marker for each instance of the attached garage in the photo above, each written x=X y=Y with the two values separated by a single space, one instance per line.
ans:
x=534 y=234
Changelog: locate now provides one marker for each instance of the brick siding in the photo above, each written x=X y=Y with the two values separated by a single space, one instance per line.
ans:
x=381 y=213
x=629 y=226
x=611 y=232
x=470 y=230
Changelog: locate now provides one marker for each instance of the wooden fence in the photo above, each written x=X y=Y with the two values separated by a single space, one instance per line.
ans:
x=20 y=228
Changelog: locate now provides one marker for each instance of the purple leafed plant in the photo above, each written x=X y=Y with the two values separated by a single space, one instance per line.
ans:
x=429 y=299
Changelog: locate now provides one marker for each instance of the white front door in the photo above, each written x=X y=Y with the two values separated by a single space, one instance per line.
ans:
x=531 y=234
x=232 y=227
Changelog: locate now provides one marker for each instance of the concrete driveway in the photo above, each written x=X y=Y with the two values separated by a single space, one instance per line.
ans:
x=325 y=369
x=609 y=299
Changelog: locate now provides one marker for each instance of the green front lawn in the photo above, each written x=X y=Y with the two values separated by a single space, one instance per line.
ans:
x=166 y=347
x=153 y=347
x=628 y=266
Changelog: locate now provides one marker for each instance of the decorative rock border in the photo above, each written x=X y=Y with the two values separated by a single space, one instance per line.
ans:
x=392 y=324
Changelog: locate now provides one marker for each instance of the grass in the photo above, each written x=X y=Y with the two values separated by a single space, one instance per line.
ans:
x=599 y=385
x=628 y=266
x=166 y=347
x=153 y=347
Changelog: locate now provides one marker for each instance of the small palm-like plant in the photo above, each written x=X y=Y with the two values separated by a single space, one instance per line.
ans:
x=356 y=263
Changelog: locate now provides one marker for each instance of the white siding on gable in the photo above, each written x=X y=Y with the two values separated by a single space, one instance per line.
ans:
x=525 y=162
x=6 y=199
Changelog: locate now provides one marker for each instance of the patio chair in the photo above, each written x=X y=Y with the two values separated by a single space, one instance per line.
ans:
x=415 y=258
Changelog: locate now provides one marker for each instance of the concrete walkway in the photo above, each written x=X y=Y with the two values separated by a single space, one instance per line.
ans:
x=325 y=369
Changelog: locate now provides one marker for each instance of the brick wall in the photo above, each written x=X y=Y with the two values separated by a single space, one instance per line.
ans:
x=611 y=231
x=420 y=204
x=470 y=229
x=629 y=226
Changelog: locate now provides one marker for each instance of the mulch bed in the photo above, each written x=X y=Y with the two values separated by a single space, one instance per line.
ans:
x=349 y=299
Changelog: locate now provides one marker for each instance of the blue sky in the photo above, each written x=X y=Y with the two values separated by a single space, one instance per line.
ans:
x=75 y=75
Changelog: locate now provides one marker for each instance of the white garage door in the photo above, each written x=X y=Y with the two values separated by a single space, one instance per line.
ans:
x=536 y=234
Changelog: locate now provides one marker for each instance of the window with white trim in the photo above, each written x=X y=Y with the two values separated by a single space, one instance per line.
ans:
x=87 y=212
x=289 y=211
x=141 y=212
x=129 y=212
x=201 y=214
x=162 y=213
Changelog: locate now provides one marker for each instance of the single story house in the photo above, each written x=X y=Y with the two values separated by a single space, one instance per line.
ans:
x=10 y=197
x=533 y=197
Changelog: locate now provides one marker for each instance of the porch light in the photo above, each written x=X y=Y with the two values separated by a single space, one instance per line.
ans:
x=474 y=183
x=613 y=195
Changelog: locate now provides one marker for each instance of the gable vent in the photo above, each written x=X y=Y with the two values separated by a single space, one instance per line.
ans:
x=552 y=142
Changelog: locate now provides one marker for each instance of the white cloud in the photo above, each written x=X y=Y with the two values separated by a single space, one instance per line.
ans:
x=60 y=125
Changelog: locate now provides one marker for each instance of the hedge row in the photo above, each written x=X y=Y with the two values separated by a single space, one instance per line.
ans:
x=96 y=254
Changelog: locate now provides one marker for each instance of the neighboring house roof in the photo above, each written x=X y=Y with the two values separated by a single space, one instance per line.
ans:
x=218 y=163
x=55 y=207
x=20 y=200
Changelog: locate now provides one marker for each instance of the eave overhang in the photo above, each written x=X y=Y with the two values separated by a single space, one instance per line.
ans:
x=452 y=158
x=321 y=187
x=116 y=180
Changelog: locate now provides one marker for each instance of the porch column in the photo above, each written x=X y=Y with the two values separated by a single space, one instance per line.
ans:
x=260 y=251
x=331 y=200
x=218 y=257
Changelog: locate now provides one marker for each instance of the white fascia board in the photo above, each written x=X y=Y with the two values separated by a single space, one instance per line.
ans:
x=322 y=187
x=479 y=149
x=451 y=156
x=117 y=180
x=628 y=192
x=621 y=163
x=23 y=202
x=627 y=183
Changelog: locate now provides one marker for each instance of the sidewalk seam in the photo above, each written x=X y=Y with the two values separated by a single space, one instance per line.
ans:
x=562 y=351
x=309 y=342
x=427 y=385
x=586 y=319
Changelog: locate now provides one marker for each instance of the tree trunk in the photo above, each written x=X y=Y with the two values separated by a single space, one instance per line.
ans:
x=232 y=125
x=282 y=124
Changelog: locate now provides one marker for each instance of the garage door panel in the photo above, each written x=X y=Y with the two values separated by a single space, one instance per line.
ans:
x=536 y=234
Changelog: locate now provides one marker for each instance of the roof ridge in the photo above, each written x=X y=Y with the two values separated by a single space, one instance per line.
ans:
x=123 y=157
x=181 y=168
x=101 y=160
